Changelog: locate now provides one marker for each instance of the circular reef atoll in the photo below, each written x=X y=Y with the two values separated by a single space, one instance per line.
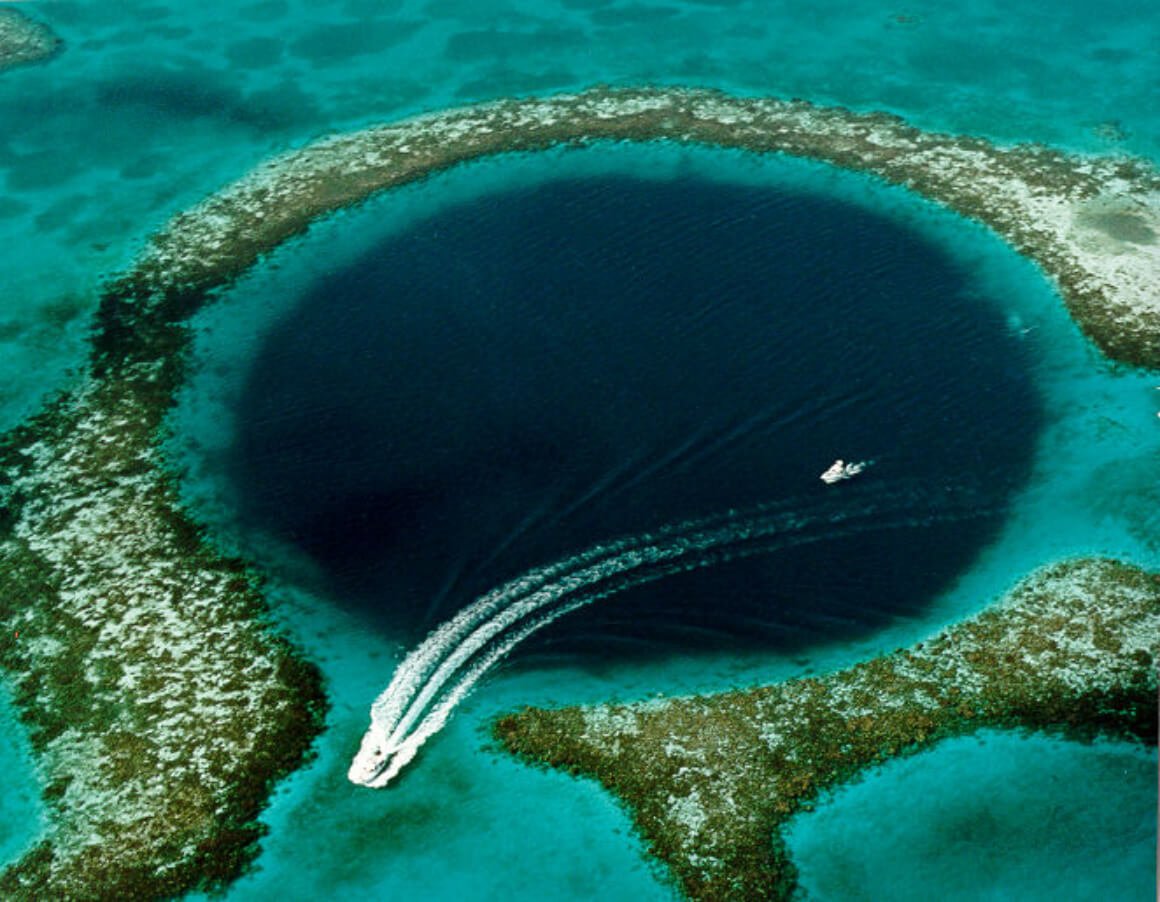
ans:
x=163 y=703
x=24 y=40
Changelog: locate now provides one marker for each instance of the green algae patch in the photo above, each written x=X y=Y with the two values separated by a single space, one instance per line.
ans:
x=24 y=40
x=712 y=780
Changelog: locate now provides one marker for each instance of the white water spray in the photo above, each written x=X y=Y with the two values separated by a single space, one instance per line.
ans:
x=436 y=676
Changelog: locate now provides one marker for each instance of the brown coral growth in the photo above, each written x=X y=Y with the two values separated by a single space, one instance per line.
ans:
x=711 y=780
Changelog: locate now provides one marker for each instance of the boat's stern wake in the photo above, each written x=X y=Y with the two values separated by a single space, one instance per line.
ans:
x=379 y=760
x=435 y=677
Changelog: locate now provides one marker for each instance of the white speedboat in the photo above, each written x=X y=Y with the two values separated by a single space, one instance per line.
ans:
x=840 y=470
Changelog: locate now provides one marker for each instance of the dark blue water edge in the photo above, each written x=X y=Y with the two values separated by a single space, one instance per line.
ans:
x=532 y=372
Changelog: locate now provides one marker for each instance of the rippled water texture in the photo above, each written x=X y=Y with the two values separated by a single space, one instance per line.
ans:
x=527 y=375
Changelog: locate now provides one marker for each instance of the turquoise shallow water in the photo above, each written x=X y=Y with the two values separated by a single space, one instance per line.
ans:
x=998 y=816
x=153 y=105
x=20 y=809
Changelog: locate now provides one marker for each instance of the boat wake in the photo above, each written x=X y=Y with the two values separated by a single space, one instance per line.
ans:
x=436 y=676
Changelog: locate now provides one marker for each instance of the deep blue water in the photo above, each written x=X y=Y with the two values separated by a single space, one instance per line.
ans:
x=528 y=374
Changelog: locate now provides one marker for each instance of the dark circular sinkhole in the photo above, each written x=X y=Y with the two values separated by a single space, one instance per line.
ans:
x=526 y=375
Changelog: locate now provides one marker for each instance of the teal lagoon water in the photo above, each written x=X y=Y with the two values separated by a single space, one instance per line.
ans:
x=998 y=816
x=153 y=105
x=21 y=811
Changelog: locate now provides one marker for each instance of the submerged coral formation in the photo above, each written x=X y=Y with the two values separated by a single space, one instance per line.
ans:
x=1090 y=222
x=24 y=40
x=712 y=780
x=162 y=703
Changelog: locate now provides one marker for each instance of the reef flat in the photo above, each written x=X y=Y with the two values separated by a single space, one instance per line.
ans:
x=162 y=702
x=712 y=780
x=1092 y=223
x=24 y=40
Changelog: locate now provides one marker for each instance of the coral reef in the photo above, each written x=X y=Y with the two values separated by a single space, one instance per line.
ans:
x=24 y=40
x=1044 y=203
x=711 y=780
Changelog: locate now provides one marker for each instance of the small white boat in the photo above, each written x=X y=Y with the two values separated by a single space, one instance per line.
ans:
x=840 y=470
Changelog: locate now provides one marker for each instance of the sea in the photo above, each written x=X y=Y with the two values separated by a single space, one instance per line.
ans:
x=539 y=356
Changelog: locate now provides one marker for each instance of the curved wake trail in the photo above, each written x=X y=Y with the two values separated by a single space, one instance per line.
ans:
x=436 y=676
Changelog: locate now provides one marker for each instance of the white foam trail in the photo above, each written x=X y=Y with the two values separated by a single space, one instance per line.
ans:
x=435 y=677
